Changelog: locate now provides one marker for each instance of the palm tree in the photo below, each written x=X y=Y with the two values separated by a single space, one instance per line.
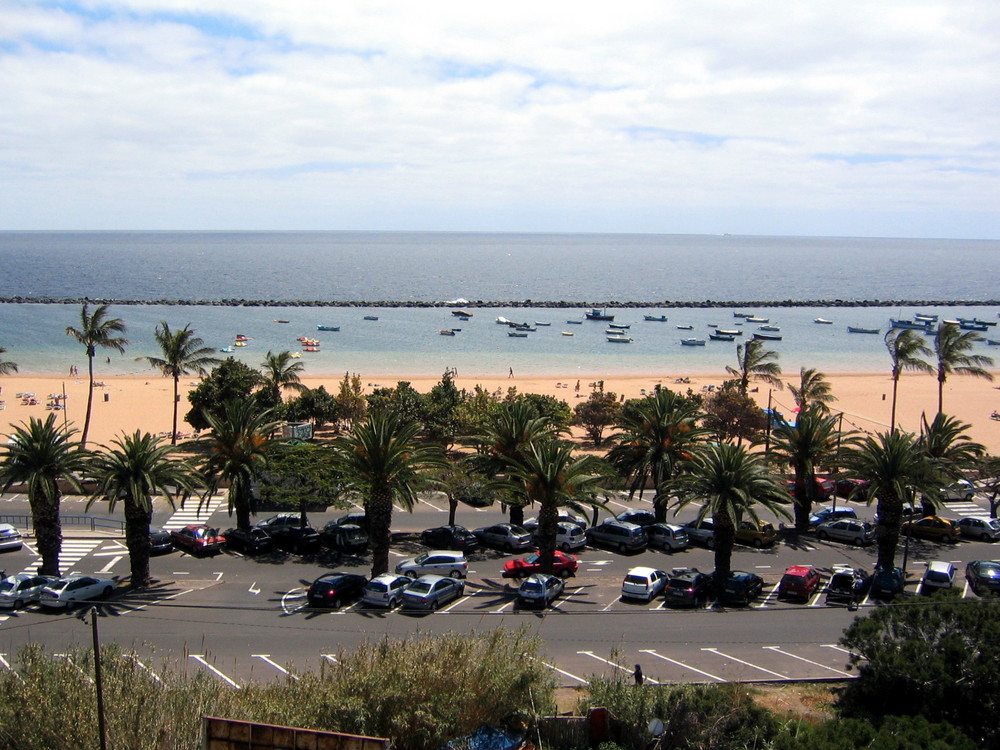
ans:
x=895 y=468
x=382 y=461
x=906 y=347
x=183 y=354
x=952 y=346
x=945 y=441
x=237 y=444
x=41 y=455
x=807 y=444
x=659 y=432
x=281 y=371
x=730 y=482
x=95 y=331
x=6 y=368
x=754 y=362
x=813 y=389
x=132 y=470
x=549 y=475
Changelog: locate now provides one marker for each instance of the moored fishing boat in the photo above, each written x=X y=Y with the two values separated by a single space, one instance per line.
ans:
x=327 y=328
x=767 y=336
x=371 y=317
x=755 y=319
x=541 y=323
x=729 y=331
x=503 y=321
x=912 y=325
x=447 y=332
x=856 y=329
x=568 y=333
x=517 y=334
x=655 y=318
x=575 y=322
x=769 y=327
x=742 y=315
x=620 y=326
x=619 y=339
x=596 y=314
x=721 y=337
x=461 y=313
x=692 y=342
x=823 y=321
x=685 y=328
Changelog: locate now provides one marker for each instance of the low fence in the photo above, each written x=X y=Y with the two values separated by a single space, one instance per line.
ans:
x=84 y=523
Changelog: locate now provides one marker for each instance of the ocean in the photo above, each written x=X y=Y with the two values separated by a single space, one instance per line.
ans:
x=421 y=268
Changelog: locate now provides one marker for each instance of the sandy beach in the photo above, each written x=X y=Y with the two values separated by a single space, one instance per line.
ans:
x=127 y=403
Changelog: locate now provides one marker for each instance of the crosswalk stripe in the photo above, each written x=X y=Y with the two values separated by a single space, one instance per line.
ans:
x=190 y=515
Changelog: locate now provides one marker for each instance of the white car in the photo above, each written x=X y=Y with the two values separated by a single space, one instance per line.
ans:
x=10 y=537
x=385 y=590
x=18 y=590
x=569 y=536
x=939 y=575
x=963 y=489
x=978 y=527
x=66 y=592
x=644 y=583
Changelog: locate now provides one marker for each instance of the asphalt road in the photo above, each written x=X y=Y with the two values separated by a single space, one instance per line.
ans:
x=241 y=619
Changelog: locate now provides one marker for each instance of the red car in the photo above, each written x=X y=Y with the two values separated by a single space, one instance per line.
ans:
x=198 y=539
x=824 y=488
x=563 y=565
x=799 y=582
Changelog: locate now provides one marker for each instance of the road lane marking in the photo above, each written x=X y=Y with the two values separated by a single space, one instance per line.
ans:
x=218 y=575
x=267 y=658
x=458 y=601
x=200 y=658
x=836 y=648
x=592 y=655
x=330 y=658
x=107 y=568
x=807 y=661
x=772 y=593
x=254 y=588
x=149 y=671
x=291 y=596
x=740 y=661
x=554 y=668
x=439 y=510
x=500 y=611
x=711 y=676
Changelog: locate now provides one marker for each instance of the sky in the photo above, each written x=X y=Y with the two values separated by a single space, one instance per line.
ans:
x=776 y=118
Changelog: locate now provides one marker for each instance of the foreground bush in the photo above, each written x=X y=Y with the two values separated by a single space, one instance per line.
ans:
x=418 y=691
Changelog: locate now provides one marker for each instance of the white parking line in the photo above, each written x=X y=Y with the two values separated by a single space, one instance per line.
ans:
x=149 y=671
x=330 y=658
x=820 y=589
x=6 y=663
x=773 y=593
x=807 y=661
x=835 y=648
x=592 y=655
x=458 y=601
x=749 y=664
x=200 y=658
x=439 y=510
x=711 y=676
x=107 y=568
x=267 y=659
x=500 y=611
x=554 y=668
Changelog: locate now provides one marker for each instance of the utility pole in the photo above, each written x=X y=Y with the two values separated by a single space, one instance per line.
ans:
x=98 y=682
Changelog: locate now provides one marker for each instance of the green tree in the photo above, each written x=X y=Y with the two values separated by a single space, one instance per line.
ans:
x=351 y=404
x=554 y=411
x=131 y=471
x=182 y=353
x=809 y=443
x=6 y=367
x=891 y=733
x=237 y=447
x=754 y=362
x=658 y=433
x=441 y=411
x=906 y=347
x=731 y=483
x=945 y=441
x=596 y=414
x=548 y=474
x=280 y=372
x=314 y=404
x=403 y=400
x=733 y=415
x=41 y=455
x=461 y=483
x=301 y=477
x=382 y=461
x=813 y=389
x=96 y=330
x=952 y=347
x=895 y=467
x=231 y=380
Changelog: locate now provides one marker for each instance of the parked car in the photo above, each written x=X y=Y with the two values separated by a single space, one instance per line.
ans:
x=248 y=541
x=934 y=528
x=910 y=512
x=799 y=582
x=831 y=514
x=385 y=590
x=565 y=515
x=504 y=536
x=430 y=592
x=638 y=516
x=334 y=589
x=160 y=542
x=983 y=576
x=939 y=575
x=198 y=539
x=848 y=584
x=68 y=591
x=450 y=537
x=345 y=537
x=888 y=582
x=280 y=522
x=357 y=518
x=853 y=489
x=741 y=587
x=617 y=535
x=569 y=536
x=825 y=489
x=288 y=533
x=539 y=590
x=687 y=587
x=702 y=532
x=10 y=537
x=963 y=489
x=986 y=529
x=563 y=565
x=756 y=534
x=644 y=583
x=667 y=536
x=439 y=561
x=22 y=588
x=847 y=530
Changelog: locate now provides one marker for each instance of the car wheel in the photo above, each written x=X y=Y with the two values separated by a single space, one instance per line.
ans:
x=393 y=603
x=456 y=574
x=710 y=543
x=435 y=604
x=858 y=541
x=621 y=549
x=107 y=591
x=986 y=538
x=335 y=604
x=411 y=574
x=18 y=603
x=822 y=536
x=757 y=543
x=509 y=546
x=565 y=573
x=564 y=547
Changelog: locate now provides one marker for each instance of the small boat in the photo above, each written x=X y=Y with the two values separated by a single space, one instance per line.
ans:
x=742 y=315
x=227 y=349
x=461 y=313
x=993 y=342
x=525 y=327
x=464 y=317
x=768 y=328
x=912 y=325
x=240 y=343
x=503 y=321
x=721 y=337
x=596 y=314
x=620 y=326
x=968 y=325
x=823 y=321
x=371 y=317
x=311 y=349
x=655 y=318
x=281 y=320
x=568 y=333
x=575 y=322
x=295 y=355
x=713 y=325
x=517 y=334
x=456 y=330
x=767 y=336
x=692 y=342
x=685 y=328
x=856 y=329
x=539 y=323
x=241 y=337
x=755 y=319
x=729 y=331
x=327 y=328
x=619 y=339
x=446 y=332
x=925 y=316
x=613 y=332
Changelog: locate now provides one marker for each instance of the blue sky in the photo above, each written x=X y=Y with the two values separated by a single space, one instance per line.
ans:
x=848 y=118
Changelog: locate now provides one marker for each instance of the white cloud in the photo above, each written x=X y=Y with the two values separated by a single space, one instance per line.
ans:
x=639 y=116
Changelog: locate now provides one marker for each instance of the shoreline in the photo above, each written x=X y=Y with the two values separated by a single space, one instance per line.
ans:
x=125 y=403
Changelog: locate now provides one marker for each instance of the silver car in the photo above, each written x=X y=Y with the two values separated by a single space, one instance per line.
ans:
x=443 y=562
x=569 y=536
x=385 y=590
x=10 y=537
x=539 y=590
x=667 y=536
x=847 y=530
x=430 y=592
x=23 y=588
x=987 y=529
x=505 y=536
x=702 y=532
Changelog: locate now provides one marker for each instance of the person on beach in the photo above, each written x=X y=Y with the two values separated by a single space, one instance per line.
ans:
x=511 y=372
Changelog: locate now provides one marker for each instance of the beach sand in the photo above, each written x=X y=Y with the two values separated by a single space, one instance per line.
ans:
x=127 y=403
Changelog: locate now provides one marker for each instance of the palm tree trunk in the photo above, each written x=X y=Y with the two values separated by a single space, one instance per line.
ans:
x=90 y=399
x=241 y=503
x=379 y=513
x=48 y=533
x=516 y=514
x=137 y=520
x=173 y=432
x=895 y=387
x=548 y=526
x=941 y=378
x=725 y=538
x=452 y=508
x=887 y=530
x=660 y=501
x=805 y=491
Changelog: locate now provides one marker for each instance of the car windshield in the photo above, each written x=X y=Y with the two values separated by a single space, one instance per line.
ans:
x=532 y=559
x=6 y=586
x=422 y=559
x=420 y=587
x=841 y=580
x=937 y=576
x=517 y=531
x=680 y=583
x=58 y=585
x=641 y=580
x=791 y=580
x=531 y=587
x=377 y=586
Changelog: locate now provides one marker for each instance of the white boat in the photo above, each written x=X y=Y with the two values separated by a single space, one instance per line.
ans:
x=768 y=328
x=755 y=319
x=693 y=342
x=619 y=339
x=856 y=329
x=461 y=313
x=503 y=321
x=539 y=323
x=912 y=325
x=823 y=321
x=620 y=326
x=227 y=349
x=655 y=318
x=742 y=315
x=685 y=328
x=729 y=331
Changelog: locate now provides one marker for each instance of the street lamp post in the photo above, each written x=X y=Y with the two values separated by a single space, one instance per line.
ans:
x=98 y=681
